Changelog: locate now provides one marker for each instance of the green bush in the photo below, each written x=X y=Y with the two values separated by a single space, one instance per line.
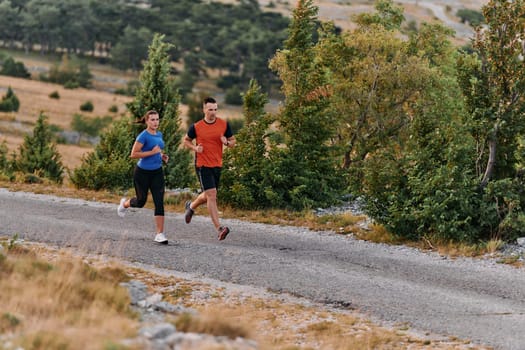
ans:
x=14 y=68
x=5 y=165
x=70 y=72
x=473 y=17
x=97 y=174
x=71 y=85
x=233 y=96
x=109 y=165
x=10 y=102
x=87 y=106
x=38 y=154
x=113 y=109
x=54 y=95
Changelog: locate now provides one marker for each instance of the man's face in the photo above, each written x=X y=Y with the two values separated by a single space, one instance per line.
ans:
x=210 y=110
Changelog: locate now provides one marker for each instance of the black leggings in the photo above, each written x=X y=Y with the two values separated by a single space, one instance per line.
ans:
x=145 y=180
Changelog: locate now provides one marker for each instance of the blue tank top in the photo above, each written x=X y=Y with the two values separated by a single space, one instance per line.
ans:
x=148 y=142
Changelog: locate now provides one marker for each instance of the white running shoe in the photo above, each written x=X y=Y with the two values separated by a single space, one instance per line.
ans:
x=160 y=238
x=121 y=210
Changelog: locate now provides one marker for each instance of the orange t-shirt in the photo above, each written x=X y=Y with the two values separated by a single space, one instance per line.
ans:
x=209 y=136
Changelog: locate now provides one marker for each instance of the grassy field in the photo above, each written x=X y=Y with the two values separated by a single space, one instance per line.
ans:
x=34 y=99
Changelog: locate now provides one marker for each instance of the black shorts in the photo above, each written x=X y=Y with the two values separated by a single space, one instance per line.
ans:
x=209 y=177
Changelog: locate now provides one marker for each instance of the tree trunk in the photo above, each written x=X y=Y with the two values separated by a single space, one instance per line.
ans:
x=490 y=163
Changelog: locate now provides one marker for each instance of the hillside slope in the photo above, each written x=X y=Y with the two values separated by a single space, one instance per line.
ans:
x=341 y=11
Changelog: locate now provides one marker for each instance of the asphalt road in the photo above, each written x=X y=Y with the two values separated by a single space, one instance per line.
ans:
x=471 y=299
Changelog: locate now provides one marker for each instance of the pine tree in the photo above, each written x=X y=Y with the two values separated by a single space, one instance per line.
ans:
x=305 y=173
x=10 y=102
x=38 y=153
x=110 y=166
x=247 y=164
x=156 y=93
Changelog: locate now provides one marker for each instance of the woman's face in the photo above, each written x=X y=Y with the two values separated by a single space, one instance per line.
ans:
x=152 y=121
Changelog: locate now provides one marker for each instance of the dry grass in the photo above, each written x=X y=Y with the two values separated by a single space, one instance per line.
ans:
x=63 y=304
x=34 y=98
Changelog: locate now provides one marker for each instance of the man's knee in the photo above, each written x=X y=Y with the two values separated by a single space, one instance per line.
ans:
x=211 y=194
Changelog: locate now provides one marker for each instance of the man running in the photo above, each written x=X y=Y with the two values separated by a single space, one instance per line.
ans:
x=211 y=134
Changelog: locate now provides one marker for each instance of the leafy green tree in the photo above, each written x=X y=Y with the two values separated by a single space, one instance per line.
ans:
x=195 y=112
x=233 y=96
x=132 y=48
x=10 y=30
x=38 y=154
x=42 y=20
x=106 y=15
x=399 y=128
x=304 y=170
x=388 y=15
x=77 y=30
x=493 y=81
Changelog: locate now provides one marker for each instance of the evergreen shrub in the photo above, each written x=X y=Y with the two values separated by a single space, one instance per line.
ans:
x=10 y=102
x=38 y=154
x=14 y=68
x=87 y=106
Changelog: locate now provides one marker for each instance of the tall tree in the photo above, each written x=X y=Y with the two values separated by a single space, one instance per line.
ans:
x=305 y=172
x=109 y=166
x=493 y=82
x=156 y=93
x=10 y=30
x=131 y=48
x=248 y=163
x=42 y=22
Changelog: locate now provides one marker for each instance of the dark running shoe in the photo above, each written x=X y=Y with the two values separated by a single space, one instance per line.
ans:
x=189 y=212
x=223 y=232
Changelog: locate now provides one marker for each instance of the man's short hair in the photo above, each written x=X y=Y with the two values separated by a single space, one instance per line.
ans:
x=209 y=100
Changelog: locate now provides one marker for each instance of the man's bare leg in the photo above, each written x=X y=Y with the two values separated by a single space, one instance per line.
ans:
x=200 y=200
x=211 y=203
